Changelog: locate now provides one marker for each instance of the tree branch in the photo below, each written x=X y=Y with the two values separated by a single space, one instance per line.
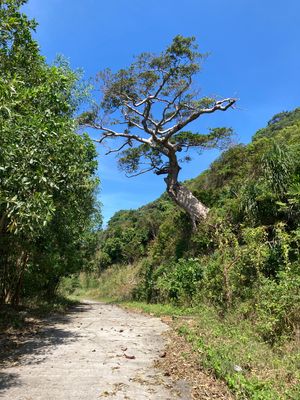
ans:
x=109 y=133
x=141 y=172
x=172 y=103
x=140 y=114
x=221 y=105
x=118 y=149
x=146 y=114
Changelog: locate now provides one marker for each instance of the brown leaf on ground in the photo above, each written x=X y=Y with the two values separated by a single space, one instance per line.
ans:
x=129 y=357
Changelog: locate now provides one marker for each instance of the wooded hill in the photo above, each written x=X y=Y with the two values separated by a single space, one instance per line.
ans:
x=245 y=256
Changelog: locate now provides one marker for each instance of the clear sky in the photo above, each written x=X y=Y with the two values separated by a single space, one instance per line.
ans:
x=254 y=48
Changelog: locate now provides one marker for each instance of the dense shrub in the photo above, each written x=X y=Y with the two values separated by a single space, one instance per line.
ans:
x=179 y=281
x=278 y=306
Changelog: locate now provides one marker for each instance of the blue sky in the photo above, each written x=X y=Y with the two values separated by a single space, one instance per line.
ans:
x=254 y=55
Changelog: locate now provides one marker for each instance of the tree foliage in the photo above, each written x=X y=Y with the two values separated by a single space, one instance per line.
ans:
x=47 y=171
x=146 y=107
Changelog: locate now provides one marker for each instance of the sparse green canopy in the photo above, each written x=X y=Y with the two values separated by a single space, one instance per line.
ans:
x=151 y=102
x=147 y=107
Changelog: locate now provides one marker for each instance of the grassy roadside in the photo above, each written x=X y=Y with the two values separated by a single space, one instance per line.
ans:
x=229 y=348
x=233 y=353
x=114 y=284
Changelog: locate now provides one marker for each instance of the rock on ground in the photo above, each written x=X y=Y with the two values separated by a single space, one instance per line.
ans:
x=96 y=351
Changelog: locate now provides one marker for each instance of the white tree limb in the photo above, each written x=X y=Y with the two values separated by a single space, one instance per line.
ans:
x=109 y=133
x=221 y=105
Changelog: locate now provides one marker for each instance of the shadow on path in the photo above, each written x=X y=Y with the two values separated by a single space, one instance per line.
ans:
x=32 y=345
x=7 y=380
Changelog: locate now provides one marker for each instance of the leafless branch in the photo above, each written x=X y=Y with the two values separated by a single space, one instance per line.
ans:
x=164 y=81
x=131 y=108
x=119 y=148
x=109 y=133
x=146 y=114
x=220 y=105
x=143 y=171
x=139 y=113
x=164 y=121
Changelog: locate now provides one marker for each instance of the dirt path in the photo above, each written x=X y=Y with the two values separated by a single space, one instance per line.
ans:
x=96 y=351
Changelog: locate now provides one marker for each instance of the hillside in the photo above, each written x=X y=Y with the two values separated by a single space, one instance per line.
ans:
x=253 y=185
x=238 y=273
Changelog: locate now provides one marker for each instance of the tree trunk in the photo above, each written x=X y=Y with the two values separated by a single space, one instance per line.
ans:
x=15 y=283
x=185 y=199
x=182 y=196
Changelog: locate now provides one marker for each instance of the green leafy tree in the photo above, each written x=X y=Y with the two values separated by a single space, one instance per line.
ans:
x=146 y=108
x=47 y=201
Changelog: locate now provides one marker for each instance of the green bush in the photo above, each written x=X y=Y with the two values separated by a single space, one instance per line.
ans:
x=278 y=306
x=179 y=281
x=147 y=290
x=69 y=284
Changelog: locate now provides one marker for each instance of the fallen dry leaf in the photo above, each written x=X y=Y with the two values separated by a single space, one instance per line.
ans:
x=129 y=357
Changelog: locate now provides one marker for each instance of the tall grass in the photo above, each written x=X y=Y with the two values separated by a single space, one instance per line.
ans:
x=115 y=283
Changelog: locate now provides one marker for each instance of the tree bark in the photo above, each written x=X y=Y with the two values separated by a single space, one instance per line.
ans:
x=182 y=196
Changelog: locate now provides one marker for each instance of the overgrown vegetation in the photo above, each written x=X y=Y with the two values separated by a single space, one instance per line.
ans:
x=48 y=213
x=246 y=257
x=230 y=349
x=241 y=265
x=238 y=273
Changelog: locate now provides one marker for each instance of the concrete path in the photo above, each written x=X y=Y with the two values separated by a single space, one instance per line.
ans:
x=96 y=351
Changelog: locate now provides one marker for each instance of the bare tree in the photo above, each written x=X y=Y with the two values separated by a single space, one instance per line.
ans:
x=148 y=106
